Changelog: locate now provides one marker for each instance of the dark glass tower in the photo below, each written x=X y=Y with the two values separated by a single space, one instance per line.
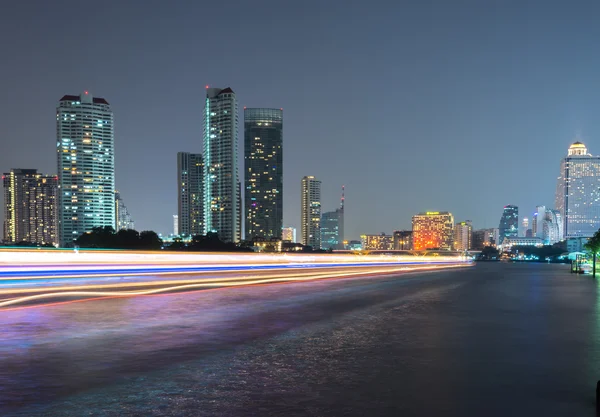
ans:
x=263 y=172
x=509 y=222
x=190 y=193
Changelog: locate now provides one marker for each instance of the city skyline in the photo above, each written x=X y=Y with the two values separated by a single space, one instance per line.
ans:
x=491 y=114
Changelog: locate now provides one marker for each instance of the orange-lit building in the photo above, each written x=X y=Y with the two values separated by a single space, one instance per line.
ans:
x=433 y=230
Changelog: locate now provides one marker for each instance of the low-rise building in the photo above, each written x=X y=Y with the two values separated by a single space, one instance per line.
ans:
x=377 y=242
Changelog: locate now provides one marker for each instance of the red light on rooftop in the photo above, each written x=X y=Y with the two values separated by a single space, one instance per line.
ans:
x=85 y=92
x=206 y=86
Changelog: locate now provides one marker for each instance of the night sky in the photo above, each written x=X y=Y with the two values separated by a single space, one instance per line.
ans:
x=461 y=106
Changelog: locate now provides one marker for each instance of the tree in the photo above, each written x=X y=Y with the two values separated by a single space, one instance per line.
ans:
x=150 y=240
x=593 y=245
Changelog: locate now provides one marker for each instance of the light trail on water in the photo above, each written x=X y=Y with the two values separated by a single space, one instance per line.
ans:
x=47 y=276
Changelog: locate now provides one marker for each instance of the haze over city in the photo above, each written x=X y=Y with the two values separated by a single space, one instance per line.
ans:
x=411 y=106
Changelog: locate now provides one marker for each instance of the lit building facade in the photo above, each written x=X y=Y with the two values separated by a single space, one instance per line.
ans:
x=30 y=207
x=403 y=240
x=509 y=222
x=485 y=237
x=190 y=193
x=524 y=227
x=552 y=227
x=222 y=200
x=123 y=220
x=578 y=192
x=330 y=230
x=288 y=234
x=511 y=241
x=175 y=224
x=433 y=230
x=310 y=212
x=537 y=225
x=377 y=242
x=463 y=235
x=263 y=172
x=86 y=166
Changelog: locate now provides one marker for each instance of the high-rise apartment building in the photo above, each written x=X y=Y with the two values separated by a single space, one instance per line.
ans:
x=175 y=224
x=288 y=234
x=578 y=192
x=403 y=240
x=30 y=207
x=509 y=222
x=263 y=172
x=310 y=212
x=222 y=204
x=190 y=193
x=433 y=230
x=463 y=236
x=86 y=166
x=123 y=220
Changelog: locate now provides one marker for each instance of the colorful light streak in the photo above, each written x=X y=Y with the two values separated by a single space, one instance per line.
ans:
x=48 y=276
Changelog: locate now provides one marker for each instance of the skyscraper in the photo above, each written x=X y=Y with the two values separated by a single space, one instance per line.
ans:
x=123 y=220
x=509 y=222
x=310 y=212
x=222 y=209
x=190 y=193
x=86 y=166
x=30 y=207
x=578 y=192
x=433 y=230
x=463 y=236
x=552 y=227
x=263 y=168
x=537 y=225
x=524 y=227
x=332 y=227
x=175 y=224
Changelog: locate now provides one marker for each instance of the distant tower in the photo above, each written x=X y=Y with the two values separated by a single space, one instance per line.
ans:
x=509 y=222
x=332 y=227
x=577 y=192
x=86 y=166
x=263 y=172
x=524 y=226
x=123 y=220
x=190 y=193
x=222 y=209
x=537 y=227
x=311 y=212
x=175 y=224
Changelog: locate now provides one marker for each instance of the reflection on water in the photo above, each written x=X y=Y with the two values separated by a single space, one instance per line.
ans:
x=493 y=340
